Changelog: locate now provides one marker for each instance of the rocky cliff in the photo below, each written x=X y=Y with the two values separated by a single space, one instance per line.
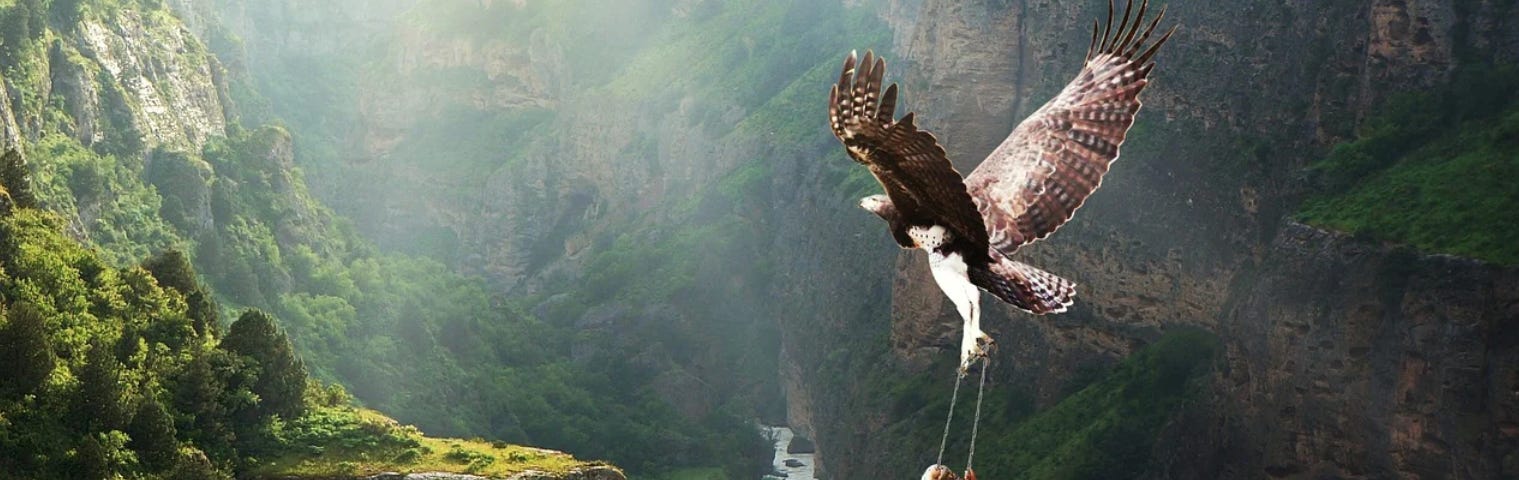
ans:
x=1187 y=231
x=1354 y=360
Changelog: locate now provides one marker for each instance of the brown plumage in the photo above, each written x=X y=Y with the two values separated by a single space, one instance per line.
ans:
x=1037 y=178
x=1028 y=187
x=909 y=163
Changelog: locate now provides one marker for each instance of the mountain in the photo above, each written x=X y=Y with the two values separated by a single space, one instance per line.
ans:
x=124 y=151
x=624 y=231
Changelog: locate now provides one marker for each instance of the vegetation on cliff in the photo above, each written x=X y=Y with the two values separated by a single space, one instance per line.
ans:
x=1433 y=170
x=1105 y=428
x=124 y=373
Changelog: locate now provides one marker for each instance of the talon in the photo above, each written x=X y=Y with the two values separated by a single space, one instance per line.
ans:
x=985 y=343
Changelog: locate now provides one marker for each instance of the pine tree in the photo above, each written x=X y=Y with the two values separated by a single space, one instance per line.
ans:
x=173 y=270
x=91 y=459
x=202 y=311
x=152 y=432
x=17 y=179
x=200 y=391
x=103 y=456
x=281 y=377
x=101 y=404
x=24 y=350
x=66 y=14
x=14 y=31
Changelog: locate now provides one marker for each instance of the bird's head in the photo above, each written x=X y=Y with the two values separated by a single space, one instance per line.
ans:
x=877 y=204
x=939 y=472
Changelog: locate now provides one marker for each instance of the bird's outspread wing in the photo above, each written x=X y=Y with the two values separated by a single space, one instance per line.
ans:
x=1037 y=178
x=909 y=163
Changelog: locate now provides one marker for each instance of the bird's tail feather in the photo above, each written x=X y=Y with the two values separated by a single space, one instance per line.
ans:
x=1024 y=286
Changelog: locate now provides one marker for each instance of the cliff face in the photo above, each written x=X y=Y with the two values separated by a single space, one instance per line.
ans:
x=135 y=74
x=1351 y=360
x=10 y=132
x=164 y=70
x=95 y=98
x=1187 y=231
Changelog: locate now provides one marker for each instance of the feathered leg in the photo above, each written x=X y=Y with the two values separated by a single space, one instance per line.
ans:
x=951 y=274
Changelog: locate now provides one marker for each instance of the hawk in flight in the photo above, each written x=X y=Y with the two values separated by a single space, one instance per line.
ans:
x=1026 y=189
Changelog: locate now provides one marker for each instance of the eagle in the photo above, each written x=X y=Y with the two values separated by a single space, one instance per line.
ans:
x=1029 y=186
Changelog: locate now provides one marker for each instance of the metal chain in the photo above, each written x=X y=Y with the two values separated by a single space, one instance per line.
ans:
x=986 y=364
x=954 y=397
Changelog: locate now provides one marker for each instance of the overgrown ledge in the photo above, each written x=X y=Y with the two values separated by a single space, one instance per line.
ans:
x=593 y=472
x=347 y=443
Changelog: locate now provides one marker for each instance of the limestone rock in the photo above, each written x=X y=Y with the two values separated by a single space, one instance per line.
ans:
x=161 y=66
x=1340 y=348
x=10 y=132
x=800 y=444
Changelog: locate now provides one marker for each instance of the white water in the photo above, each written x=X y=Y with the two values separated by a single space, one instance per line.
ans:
x=782 y=437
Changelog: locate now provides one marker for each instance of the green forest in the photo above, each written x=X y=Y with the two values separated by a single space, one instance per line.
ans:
x=127 y=372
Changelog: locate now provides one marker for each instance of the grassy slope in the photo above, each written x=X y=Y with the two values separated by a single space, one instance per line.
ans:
x=1434 y=171
x=348 y=441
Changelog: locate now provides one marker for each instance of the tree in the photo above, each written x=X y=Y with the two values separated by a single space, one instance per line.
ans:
x=193 y=465
x=91 y=459
x=173 y=270
x=101 y=403
x=152 y=432
x=203 y=313
x=17 y=179
x=200 y=392
x=281 y=377
x=67 y=14
x=104 y=456
x=24 y=350
x=14 y=31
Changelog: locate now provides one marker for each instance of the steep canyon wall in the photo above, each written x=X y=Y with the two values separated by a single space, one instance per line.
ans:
x=1188 y=231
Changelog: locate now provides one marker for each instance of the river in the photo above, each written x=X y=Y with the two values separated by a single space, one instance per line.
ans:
x=782 y=437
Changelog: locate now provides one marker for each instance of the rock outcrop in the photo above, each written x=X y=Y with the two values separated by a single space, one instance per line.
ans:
x=153 y=60
x=1348 y=359
x=10 y=132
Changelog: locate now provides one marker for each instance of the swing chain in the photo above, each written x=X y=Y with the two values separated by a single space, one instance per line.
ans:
x=986 y=364
x=953 y=397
